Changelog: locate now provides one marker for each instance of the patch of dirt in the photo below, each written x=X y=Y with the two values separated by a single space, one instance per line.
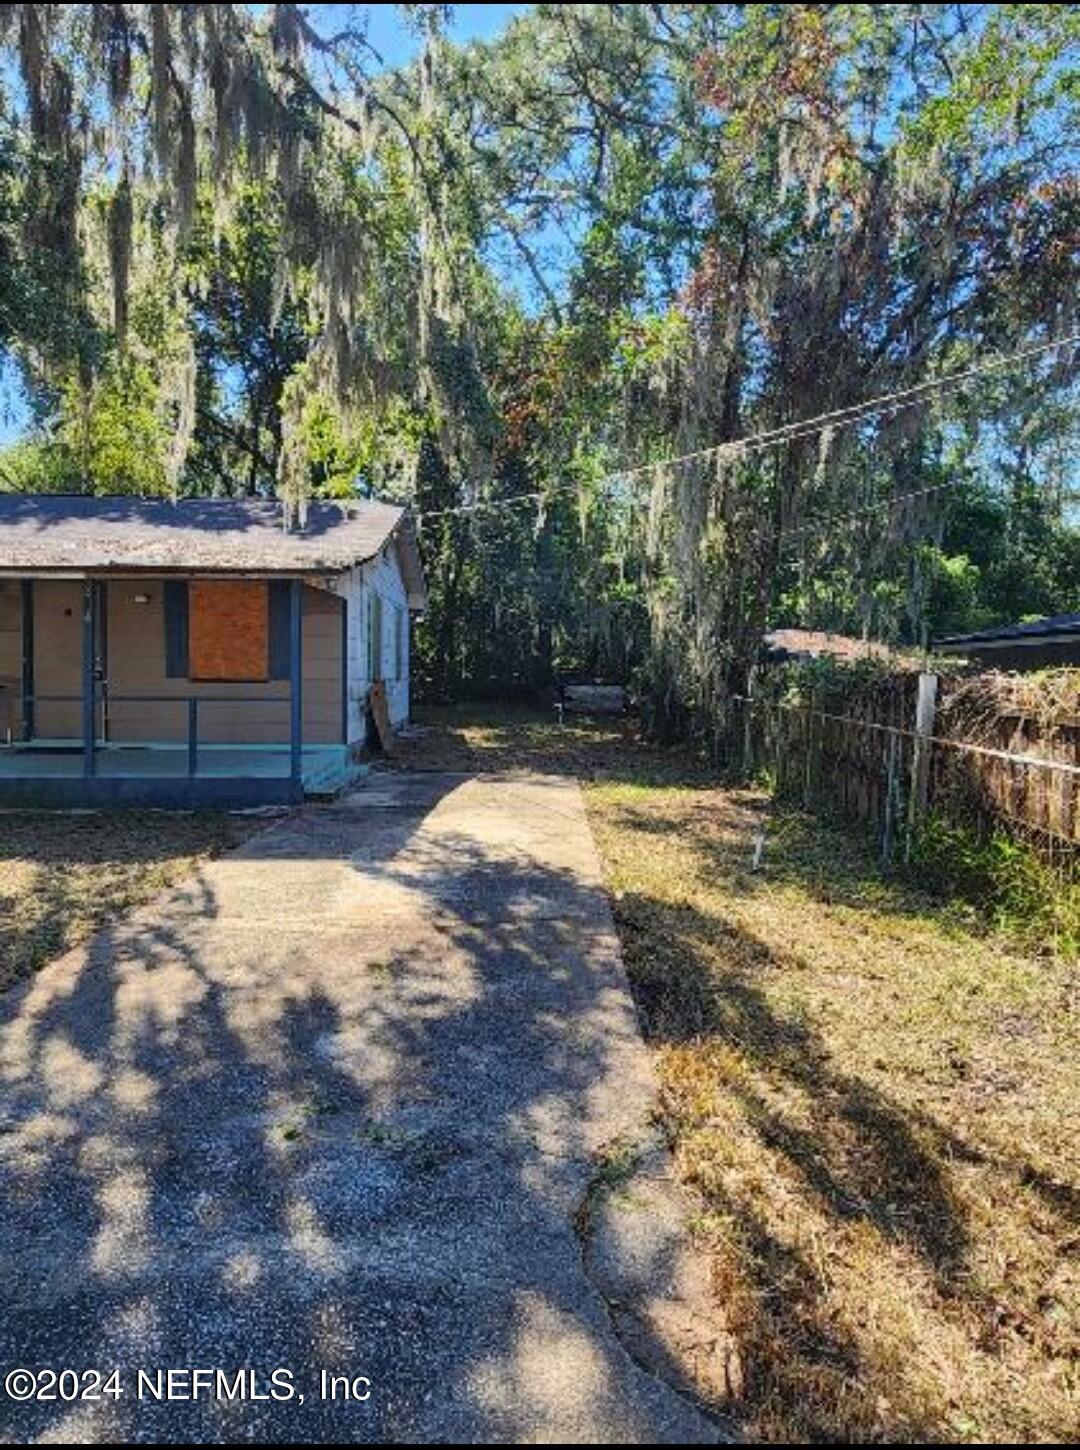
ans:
x=64 y=875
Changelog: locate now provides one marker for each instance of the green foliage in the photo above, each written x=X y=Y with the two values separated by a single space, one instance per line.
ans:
x=611 y=235
x=1020 y=891
x=109 y=438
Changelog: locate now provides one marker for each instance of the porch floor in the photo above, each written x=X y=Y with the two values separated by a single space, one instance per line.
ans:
x=325 y=768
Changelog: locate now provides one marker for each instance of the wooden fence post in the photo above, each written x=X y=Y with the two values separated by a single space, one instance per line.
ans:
x=925 y=711
x=808 y=763
x=891 y=798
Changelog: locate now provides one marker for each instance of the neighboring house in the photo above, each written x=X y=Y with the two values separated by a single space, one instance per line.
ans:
x=1033 y=646
x=196 y=652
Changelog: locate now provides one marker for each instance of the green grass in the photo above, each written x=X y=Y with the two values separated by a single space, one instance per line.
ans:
x=64 y=875
x=1019 y=892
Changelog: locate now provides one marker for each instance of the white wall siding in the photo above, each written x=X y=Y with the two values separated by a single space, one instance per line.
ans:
x=382 y=575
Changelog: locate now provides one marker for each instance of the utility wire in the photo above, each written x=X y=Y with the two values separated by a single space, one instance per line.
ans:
x=788 y=433
x=815 y=525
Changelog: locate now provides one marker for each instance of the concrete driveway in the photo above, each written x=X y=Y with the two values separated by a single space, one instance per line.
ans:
x=335 y=1105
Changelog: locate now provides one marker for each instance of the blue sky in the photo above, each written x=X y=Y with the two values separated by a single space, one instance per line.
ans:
x=394 y=41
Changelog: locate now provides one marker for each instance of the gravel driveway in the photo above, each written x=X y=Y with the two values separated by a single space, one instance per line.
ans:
x=334 y=1105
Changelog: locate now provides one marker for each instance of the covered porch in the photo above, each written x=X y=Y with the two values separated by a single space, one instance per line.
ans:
x=176 y=691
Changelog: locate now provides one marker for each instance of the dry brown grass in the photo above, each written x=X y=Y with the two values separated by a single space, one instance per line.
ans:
x=517 y=737
x=64 y=875
x=878 y=1108
x=879 y=1112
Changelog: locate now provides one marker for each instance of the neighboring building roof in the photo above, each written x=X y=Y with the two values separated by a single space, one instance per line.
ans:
x=115 y=533
x=1040 y=644
x=1064 y=627
x=781 y=644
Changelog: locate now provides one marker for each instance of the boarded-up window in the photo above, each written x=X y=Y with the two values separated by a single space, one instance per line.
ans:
x=228 y=629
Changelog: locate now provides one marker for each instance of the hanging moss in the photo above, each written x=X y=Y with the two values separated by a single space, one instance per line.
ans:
x=121 y=217
x=228 y=95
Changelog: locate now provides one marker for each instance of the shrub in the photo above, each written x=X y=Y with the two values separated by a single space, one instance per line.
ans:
x=1023 y=893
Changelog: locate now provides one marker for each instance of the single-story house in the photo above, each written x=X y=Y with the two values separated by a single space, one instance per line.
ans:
x=196 y=652
x=1033 y=646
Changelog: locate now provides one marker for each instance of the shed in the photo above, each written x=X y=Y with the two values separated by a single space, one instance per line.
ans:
x=196 y=652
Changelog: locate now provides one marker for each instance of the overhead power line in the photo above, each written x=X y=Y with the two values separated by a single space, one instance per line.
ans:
x=815 y=525
x=886 y=403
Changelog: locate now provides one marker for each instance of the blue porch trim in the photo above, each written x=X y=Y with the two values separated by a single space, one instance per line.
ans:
x=27 y=595
x=296 y=678
x=162 y=792
x=51 y=775
x=345 y=672
x=89 y=734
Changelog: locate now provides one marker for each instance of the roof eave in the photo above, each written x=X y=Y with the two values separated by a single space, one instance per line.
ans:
x=118 y=570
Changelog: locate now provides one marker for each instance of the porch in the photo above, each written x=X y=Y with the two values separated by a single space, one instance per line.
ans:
x=52 y=773
x=107 y=700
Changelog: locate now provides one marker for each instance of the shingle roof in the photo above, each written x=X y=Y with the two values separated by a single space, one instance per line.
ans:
x=1055 y=626
x=115 y=532
x=822 y=642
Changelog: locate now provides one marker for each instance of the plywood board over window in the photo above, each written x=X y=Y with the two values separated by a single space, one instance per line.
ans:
x=228 y=629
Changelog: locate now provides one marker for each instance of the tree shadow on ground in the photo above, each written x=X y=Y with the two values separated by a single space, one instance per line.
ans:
x=332 y=1104
x=62 y=874
x=526 y=738
x=860 y=1136
x=753 y=1095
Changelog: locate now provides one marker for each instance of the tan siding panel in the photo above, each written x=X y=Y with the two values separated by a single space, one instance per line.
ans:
x=10 y=657
x=322 y=668
x=136 y=666
x=58 y=656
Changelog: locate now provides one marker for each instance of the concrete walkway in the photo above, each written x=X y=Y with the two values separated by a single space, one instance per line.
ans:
x=335 y=1105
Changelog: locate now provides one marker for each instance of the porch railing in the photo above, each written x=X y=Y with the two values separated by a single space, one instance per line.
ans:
x=102 y=702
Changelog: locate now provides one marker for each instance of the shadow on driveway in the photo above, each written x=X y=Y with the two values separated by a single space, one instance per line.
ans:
x=333 y=1105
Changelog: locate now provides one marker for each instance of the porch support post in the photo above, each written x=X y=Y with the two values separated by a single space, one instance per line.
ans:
x=345 y=672
x=88 y=632
x=28 y=658
x=296 y=676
